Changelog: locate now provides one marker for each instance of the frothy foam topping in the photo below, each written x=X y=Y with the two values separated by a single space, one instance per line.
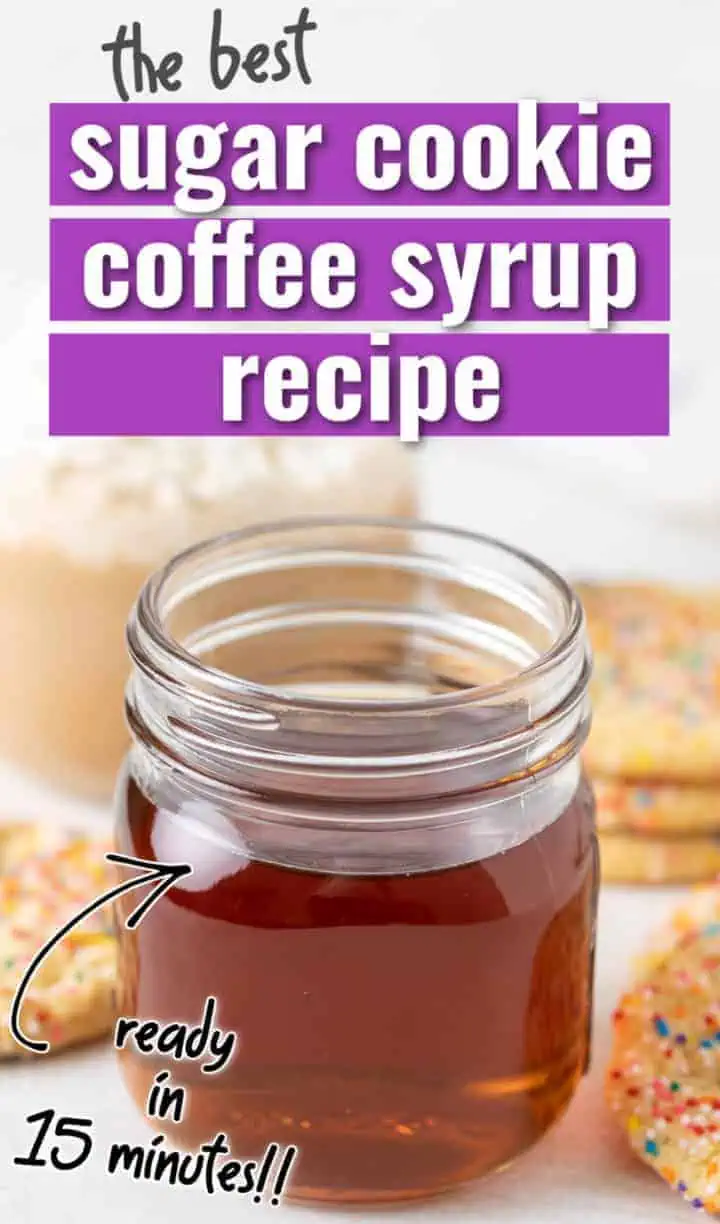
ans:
x=145 y=498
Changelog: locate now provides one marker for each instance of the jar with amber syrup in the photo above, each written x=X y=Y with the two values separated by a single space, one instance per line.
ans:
x=363 y=736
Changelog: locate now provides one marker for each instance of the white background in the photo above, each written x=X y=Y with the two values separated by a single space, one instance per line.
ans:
x=606 y=507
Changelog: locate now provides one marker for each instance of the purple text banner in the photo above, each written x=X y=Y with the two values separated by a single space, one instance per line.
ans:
x=459 y=167
x=176 y=384
x=532 y=283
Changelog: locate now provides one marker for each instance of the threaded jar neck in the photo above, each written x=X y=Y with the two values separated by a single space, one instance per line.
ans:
x=357 y=661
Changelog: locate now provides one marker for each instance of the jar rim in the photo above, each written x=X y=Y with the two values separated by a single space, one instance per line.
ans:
x=253 y=737
x=146 y=629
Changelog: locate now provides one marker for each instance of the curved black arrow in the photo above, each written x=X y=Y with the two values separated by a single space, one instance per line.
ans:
x=164 y=875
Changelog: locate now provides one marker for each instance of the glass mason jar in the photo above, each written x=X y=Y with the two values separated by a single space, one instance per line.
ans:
x=363 y=736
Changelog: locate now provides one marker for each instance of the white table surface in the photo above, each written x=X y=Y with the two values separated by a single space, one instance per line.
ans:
x=582 y=1170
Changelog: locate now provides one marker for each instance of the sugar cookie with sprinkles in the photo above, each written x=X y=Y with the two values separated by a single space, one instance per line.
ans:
x=637 y=858
x=22 y=840
x=47 y=877
x=663 y=1080
x=663 y=808
x=656 y=683
x=701 y=907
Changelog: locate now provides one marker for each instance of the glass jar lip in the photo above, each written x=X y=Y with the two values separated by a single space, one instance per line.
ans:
x=148 y=618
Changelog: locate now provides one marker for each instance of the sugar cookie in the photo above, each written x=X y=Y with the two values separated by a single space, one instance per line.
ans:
x=633 y=858
x=664 y=808
x=700 y=907
x=656 y=685
x=663 y=1081
x=46 y=877
x=20 y=841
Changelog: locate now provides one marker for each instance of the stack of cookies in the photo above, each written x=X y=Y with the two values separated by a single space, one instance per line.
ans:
x=654 y=749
